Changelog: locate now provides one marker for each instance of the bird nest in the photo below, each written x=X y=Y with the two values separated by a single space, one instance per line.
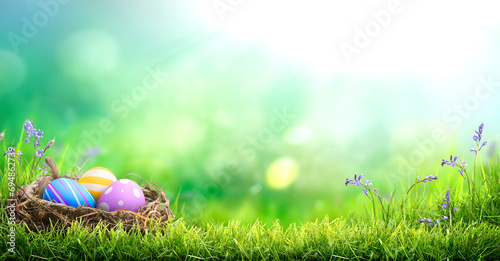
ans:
x=40 y=214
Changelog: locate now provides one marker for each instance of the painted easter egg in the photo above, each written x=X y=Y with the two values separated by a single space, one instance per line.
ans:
x=123 y=194
x=96 y=180
x=68 y=192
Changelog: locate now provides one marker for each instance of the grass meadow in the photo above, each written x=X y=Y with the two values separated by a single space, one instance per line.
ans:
x=418 y=222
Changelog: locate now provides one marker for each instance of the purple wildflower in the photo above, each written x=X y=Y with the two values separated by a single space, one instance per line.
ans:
x=427 y=178
x=447 y=205
x=359 y=178
x=427 y=221
x=422 y=220
x=39 y=134
x=30 y=131
x=452 y=162
x=28 y=126
x=357 y=181
x=477 y=139
x=39 y=153
x=447 y=200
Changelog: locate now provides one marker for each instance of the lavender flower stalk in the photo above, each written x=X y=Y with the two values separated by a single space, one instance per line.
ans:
x=462 y=170
x=39 y=153
x=32 y=134
x=428 y=221
x=357 y=181
x=426 y=179
x=447 y=206
x=380 y=200
x=477 y=138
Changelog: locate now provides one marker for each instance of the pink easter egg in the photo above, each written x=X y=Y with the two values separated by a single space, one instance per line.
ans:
x=123 y=194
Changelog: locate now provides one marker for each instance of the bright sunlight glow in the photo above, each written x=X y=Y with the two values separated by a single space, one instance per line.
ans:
x=413 y=40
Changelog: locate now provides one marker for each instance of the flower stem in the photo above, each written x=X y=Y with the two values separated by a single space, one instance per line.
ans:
x=383 y=209
x=474 y=181
x=374 y=212
x=40 y=158
x=466 y=179
x=373 y=202
x=413 y=185
x=403 y=203
x=34 y=158
x=449 y=210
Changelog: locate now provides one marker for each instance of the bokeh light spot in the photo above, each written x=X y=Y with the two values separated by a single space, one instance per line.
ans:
x=282 y=173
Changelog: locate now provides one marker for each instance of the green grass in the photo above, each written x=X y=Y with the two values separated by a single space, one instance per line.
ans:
x=472 y=234
x=340 y=239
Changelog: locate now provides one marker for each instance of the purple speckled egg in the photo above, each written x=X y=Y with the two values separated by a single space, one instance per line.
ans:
x=123 y=194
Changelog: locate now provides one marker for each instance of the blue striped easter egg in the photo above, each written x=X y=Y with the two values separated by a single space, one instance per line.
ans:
x=68 y=192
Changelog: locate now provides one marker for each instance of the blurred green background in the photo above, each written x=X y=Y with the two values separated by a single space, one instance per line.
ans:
x=253 y=109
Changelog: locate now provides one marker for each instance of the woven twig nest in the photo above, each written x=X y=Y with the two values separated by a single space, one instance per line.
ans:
x=38 y=213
